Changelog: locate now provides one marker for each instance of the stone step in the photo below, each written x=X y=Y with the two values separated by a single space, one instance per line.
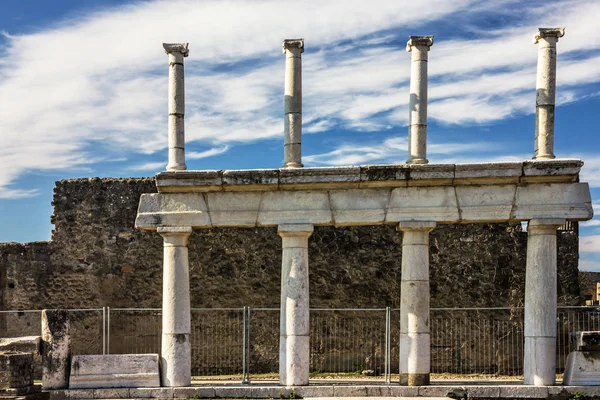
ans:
x=114 y=371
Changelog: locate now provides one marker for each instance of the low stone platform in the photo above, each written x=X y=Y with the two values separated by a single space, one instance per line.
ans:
x=261 y=391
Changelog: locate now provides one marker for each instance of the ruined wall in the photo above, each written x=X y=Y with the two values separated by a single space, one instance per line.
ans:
x=96 y=258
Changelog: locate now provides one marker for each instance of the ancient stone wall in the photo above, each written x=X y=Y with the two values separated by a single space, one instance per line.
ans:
x=96 y=258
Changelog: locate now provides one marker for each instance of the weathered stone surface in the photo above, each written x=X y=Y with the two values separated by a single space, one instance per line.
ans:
x=16 y=370
x=56 y=349
x=586 y=341
x=582 y=368
x=24 y=344
x=114 y=371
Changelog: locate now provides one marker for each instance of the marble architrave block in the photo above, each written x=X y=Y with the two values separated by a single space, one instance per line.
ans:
x=56 y=349
x=294 y=207
x=359 y=207
x=436 y=203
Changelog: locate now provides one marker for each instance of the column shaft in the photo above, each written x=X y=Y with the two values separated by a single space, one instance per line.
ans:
x=539 y=363
x=414 y=304
x=545 y=92
x=176 y=52
x=176 y=353
x=294 y=342
x=417 y=130
x=292 y=132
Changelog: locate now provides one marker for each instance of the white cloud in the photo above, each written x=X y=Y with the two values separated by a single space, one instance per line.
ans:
x=196 y=155
x=589 y=244
x=589 y=265
x=99 y=81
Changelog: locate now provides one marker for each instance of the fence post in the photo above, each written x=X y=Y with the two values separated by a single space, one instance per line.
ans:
x=388 y=349
x=107 y=330
x=103 y=330
x=246 y=352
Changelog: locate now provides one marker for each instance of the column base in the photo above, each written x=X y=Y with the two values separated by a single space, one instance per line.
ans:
x=292 y=165
x=176 y=167
x=418 y=161
x=414 y=379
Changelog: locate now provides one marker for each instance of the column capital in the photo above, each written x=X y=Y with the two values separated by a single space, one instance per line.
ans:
x=416 y=226
x=419 y=41
x=293 y=43
x=548 y=32
x=181 y=48
x=175 y=235
x=544 y=225
x=287 y=230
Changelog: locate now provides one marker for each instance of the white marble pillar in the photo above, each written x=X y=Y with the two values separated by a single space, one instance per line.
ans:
x=292 y=103
x=294 y=339
x=414 y=303
x=417 y=120
x=176 y=52
x=176 y=352
x=545 y=91
x=539 y=363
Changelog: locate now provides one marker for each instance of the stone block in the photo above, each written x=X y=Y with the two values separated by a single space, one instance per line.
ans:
x=121 y=393
x=524 y=392
x=384 y=175
x=557 y=170
x=486 y=173
x=16 y=370
x=582 y=368
x=189 y=181
x=115 y=371
x=403 y=391
x=359 y=207
x=436 y=391
x=482 y=392
x=322 y=178
x=234 y=209
x=424 y=204
x=493 y=201
x=71 y=394
x=295 y=207
x=312 y=391
x=586 y=340
x=172 y=209
x=56 y=349
x=155 y=393
x=553 y=200
x=349 y=391
x=431 y=174
x=378 y=391
x=250 y=180
x=194 y=392
x=23 y=344
x=232 y=392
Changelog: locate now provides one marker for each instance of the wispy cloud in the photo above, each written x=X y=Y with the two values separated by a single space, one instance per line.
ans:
x=589 y=244
x=109 y=90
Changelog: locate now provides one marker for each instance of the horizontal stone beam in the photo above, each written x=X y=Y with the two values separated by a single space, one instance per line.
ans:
x=372 y=206
x=370 y=176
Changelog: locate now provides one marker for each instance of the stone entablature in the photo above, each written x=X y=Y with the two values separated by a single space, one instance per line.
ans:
x=368 y=195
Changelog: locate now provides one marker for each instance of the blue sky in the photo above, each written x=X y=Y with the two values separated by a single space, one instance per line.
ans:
x=83 y=88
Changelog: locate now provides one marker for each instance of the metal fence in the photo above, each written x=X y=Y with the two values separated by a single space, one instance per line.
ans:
x=234 y=343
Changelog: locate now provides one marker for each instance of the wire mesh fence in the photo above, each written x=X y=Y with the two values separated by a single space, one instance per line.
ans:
x=237 y=342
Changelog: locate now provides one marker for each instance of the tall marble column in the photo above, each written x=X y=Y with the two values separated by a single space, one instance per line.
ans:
x=294 y=339
x=417 y=130
x=539 y=363
x=292 y=103
x=545 y=91
x=415 y=358
x=176 y=353
x=176 y=52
